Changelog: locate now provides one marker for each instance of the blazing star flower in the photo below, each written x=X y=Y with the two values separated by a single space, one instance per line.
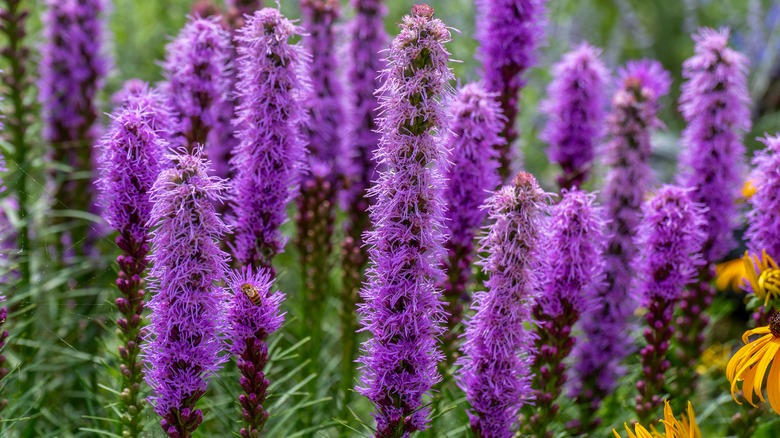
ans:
x=499 y=348
x=763 y=232
x=402 y=310
x=685 y=427
x=476 y=124
x=183 y=347
x=508 y=32
x=267 y=162
x=575 y=112
x=253 y=314
x=750 y=365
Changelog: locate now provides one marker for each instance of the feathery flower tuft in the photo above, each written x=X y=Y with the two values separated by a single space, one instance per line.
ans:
x=197 y=69
x=402 y=310
x=267 y=162
x=253 y=314
x=672 y=237
x=476 y=122
x=508 y=32
x=183 y=347
x=633 y=118
x=763 y=232
x=575 y=111
x=499 y=348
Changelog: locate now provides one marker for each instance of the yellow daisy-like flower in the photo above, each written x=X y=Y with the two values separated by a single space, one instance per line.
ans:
x=749 y=189
x=750 y=364
x=763 y=276
x=714 y=358
x=729 y=274
x=686 y=427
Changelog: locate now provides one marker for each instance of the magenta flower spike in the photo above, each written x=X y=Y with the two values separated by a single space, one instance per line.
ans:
x=269 y=158
x=763 y=232
x=198 y=72
x=672 y=237
x=476 y=124
x=498 y=350
x=716 y=104
x=253 y=314
x=508 y=32
x=402 y=311
x=633 y=118
x=571 y=273
x=182 y=350
x=575 y=113
x=131 y=158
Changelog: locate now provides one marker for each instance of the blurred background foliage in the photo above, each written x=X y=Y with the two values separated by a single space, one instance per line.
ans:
x=66 y=349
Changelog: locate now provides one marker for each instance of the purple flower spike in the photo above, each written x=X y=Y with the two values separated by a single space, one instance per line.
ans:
x=184 y=344
x=633 y=118
x=763 y=231
x=508 y=32
x=476 y=123
x=716 y=104
x=267 y=163
x=672 y=237
x=575 y=111
x=499 y=348
x=197 y=68
x=253 y=314
x=402 y=310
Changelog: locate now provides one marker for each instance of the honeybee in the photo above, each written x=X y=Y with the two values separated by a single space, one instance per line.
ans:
x=251 y=293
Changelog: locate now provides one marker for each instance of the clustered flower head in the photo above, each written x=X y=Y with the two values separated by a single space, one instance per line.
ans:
x=402 y=310
x=197 y=69
x=715 y=103
x=508 y=32
x=476 y=123
x=183 y=348
x=272 y=86
x=575 y=105
x=498 y=349
x=763 y=232
x=253 y=314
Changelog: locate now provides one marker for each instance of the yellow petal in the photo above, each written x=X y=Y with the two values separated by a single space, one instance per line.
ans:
x=773 y=387
x=766 y=359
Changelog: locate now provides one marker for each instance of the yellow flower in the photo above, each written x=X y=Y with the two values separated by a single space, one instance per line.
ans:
x=763 y=276
x=686 y=427
x=714 y=358
x=750 y=364
x=749 y=189
x=729 y=274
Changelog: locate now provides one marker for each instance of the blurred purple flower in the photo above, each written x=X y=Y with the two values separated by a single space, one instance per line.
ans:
x=763 y=232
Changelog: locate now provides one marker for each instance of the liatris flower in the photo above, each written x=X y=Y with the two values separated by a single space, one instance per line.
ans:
x=575 y=111
x=476 y=124
x=402 y=310
x=183 y=348
x=367 y=40
x=570 y=273
x=672 y=236
x=197 y=69
x=508 y=32
x=268 y=160
x=633 y=118
x=685 y=427
x=72 y=72
x=499 y=348
x=253 y=314
x=18 y=83
x=715 y=103
x=131 y=158
x=751 y=363
x=763 y=232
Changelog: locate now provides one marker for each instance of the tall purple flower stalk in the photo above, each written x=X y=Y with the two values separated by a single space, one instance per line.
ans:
x=402 y=310
x=716 y=104
x=575 y=111
x=476 y=123
x=253 y=314
x=633 y=118
x=763 y=232
x=198 y=72
x=570 y=275
x=72 y=72
x=182 y=350
x=4 y=237
x=499 y=348
x=367 y=39
x=131 y=159
x=672 y=236
x=267 y=162
x=508 y=32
